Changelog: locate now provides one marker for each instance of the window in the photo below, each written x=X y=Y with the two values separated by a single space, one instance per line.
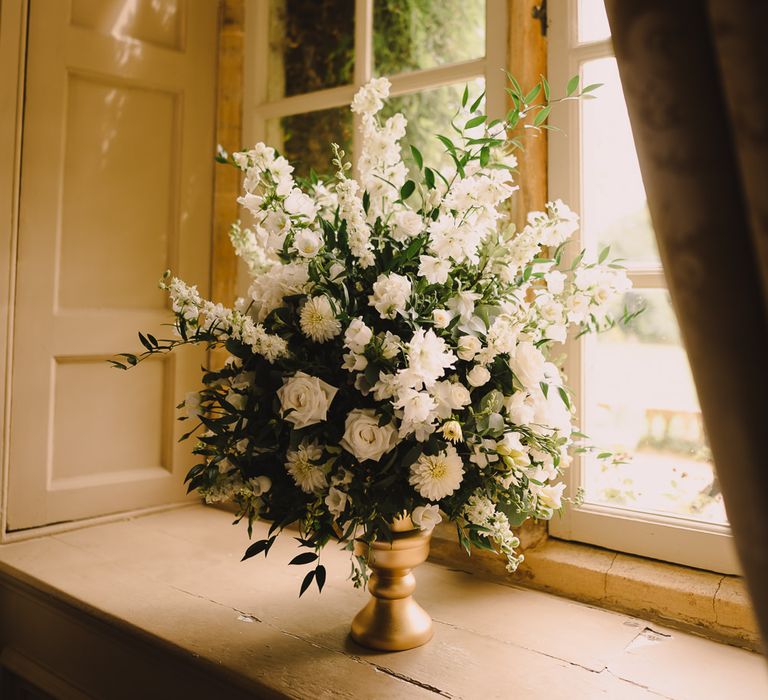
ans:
x=634 y=386
x=305 y=61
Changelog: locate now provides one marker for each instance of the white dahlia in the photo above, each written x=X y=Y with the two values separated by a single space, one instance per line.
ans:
x=302 y=465
x=436 y=476
x=318 y=321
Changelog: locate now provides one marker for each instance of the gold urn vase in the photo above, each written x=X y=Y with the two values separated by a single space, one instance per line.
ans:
x=392 y=620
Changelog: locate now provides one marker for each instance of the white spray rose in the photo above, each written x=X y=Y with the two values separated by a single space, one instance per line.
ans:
x=478 y=376
x=468 y=346
x=305 y=399
x=426 y=517
x=441 y=317
x=365 y=438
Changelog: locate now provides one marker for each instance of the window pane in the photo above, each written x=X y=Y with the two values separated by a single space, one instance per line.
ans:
x=430 y=113
x=311 y=46
x=410 y=36
x=305 y=139
x=593 y=22
x=640 y=401
x=614 y=205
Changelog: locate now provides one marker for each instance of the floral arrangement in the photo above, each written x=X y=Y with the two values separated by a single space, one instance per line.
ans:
x=394 y=355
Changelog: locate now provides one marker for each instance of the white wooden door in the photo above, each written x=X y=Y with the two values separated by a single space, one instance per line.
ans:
x=116 y=186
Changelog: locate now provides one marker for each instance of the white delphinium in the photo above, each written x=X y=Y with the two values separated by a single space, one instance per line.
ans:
x=391 y=293
x=351 y=211
x=437 y=476
x=185 y=299
x=250 y=245
x=303 y=464
x=318 y=320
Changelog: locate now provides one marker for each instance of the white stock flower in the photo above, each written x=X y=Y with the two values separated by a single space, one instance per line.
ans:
x=305 y=399
x=434 y=270
x=479 y=509
x=390 y=294
x=426 y=517
x=417 y=407
x=318 y=320
x=368 y=99
x=365 y=438
x=302 y=465
x=437 y=476
x=478 y=376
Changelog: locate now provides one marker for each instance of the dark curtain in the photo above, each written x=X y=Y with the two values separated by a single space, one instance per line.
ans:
x=694 y=74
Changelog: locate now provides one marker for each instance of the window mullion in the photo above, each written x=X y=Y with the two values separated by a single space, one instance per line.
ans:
x=363 y=65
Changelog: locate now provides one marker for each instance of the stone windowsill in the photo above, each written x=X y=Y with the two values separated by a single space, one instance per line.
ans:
x=162 y=604
x=705 y=603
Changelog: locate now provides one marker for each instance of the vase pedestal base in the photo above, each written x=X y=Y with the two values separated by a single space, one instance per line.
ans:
x=392 y=620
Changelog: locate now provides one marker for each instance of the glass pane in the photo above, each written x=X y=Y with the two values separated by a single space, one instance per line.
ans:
x=430 y=113
x=311 y=46
x=641 y=402
x=410 y=36
x=593 y=22
x=305 y=139
x=614 y=206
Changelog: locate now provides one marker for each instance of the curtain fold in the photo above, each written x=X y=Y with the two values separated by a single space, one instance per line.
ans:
x=693 y=75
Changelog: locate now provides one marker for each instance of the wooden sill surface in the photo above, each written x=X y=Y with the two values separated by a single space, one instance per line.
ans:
x=713 y=605
x=172 y=583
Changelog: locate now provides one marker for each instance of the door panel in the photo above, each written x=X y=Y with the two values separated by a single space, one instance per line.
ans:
x=116 y=187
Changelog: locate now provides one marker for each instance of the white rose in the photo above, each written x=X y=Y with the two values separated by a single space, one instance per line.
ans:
x=459 y=395
x=528 y=365
x=308 y=242
x=468 y=347
x=441 y=317
x=365 y=438
x=259 y=485
x=305 y=399
x=336 y=500
x=426 y=517
x=478 y=375
x=357 y=335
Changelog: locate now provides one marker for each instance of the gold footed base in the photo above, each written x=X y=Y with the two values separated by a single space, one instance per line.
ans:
x=392 y=620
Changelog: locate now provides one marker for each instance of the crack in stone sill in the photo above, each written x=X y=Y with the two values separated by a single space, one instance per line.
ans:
x=353 y=657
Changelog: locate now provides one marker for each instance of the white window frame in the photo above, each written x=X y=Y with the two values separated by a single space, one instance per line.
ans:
x=257 y=109
x=675 y=539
